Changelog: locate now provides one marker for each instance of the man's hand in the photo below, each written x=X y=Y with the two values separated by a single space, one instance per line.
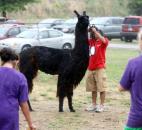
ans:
x=94 y=30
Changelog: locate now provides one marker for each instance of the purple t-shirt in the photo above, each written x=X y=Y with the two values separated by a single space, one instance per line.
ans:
x=132 y=81
x=13 y=91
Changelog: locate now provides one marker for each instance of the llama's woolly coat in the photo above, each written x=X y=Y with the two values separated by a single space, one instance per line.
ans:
x=70 y=65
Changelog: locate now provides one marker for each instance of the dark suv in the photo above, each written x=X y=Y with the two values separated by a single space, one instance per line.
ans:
x=131 y=27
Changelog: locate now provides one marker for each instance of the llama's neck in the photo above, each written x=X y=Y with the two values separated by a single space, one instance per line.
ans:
x=81 y=42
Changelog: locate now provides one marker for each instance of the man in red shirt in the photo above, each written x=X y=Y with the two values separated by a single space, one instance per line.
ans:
x=96 y=78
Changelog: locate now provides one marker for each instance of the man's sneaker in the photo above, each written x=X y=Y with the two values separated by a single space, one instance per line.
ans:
x=100 y=108
x=91 y=108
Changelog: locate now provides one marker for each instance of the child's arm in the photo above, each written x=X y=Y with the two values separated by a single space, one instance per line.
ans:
x=25 y=109
x=121 y=88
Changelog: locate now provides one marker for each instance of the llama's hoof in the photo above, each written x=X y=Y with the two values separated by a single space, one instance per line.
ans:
x=31 y=110
x=61 y=111
x=72 y=110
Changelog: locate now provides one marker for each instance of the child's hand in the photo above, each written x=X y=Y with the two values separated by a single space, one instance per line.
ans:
x=32 y=127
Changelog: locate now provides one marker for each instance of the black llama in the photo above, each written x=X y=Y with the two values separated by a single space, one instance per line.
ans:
x=69 y=65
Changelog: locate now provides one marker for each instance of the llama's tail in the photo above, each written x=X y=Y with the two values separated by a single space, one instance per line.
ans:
x=28 y=66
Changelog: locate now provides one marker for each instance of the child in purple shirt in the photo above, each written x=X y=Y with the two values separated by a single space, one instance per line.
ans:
x=13 y=93
x=132 y=81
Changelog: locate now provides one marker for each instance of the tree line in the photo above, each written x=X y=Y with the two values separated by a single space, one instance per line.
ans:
x=97 y=7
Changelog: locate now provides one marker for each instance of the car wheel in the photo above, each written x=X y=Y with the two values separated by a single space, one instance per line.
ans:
x=25 y=47
x=128 y=39
x=109 y=38
x=67 y=46
x=122 y=38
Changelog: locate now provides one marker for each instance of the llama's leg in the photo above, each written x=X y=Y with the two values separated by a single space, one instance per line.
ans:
x=70 y=103
x=61 y=102
x=60 y=92
x=69 y=96
x=30 y=107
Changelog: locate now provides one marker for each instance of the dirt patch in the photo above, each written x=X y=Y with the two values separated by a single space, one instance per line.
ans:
x=47 y=117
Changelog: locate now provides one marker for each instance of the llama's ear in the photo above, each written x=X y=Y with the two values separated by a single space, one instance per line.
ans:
x=78 y=15
x=84 y=13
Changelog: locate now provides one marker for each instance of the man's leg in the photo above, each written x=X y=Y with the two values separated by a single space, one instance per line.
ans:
x=94 y=98
x=102 y=97
x=101 y=78
x=100 y=108
x=91 y=87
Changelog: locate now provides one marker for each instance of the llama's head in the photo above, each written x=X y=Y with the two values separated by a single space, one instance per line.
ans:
x=83 y=20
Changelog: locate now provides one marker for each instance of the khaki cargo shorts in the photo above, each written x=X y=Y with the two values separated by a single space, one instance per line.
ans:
x=96 y=81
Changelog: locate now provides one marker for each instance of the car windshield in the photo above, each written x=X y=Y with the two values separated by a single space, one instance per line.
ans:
x=46 y=23
x=3 y=30
x=28 y=34
x=99 y=21
x=70 y=22
x=131 y=21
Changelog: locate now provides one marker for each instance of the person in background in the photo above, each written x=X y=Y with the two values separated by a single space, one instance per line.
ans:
x=96 y=77
x=13 y=92
x=131 y=81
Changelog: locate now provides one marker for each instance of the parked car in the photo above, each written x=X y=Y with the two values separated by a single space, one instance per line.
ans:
x=48 y=23
x=130 y=28
x=42 y=37
x=2 y=20
x=110 y=26
x=14 y=21
x=10 y=30
x=68 y=26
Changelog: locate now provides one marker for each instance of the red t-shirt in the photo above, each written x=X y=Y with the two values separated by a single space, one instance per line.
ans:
x=97 y=54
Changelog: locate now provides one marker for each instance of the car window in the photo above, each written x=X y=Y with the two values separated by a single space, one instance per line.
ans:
x=117 y=21
x=54 y=33
x=3 y=31
x=31 y=33
x=108 y=22
x=131 y=21
x=2 y=19
x=58 y=21
x=101 y=21
x=70 y=21
x=13 y=31
x=43 y=35
x=23 y=29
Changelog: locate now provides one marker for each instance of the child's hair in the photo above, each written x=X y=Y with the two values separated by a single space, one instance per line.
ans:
x=8 y=54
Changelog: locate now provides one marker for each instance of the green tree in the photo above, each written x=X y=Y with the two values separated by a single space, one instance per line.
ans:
x=135 y=7
x=13 y=5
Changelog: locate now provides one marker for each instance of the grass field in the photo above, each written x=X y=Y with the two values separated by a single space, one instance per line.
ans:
x=116 y=62
x=45 y=103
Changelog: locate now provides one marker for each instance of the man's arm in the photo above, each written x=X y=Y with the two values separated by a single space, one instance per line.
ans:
x=99 y=35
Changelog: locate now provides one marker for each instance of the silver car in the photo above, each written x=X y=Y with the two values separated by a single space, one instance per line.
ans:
x=39 y=37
